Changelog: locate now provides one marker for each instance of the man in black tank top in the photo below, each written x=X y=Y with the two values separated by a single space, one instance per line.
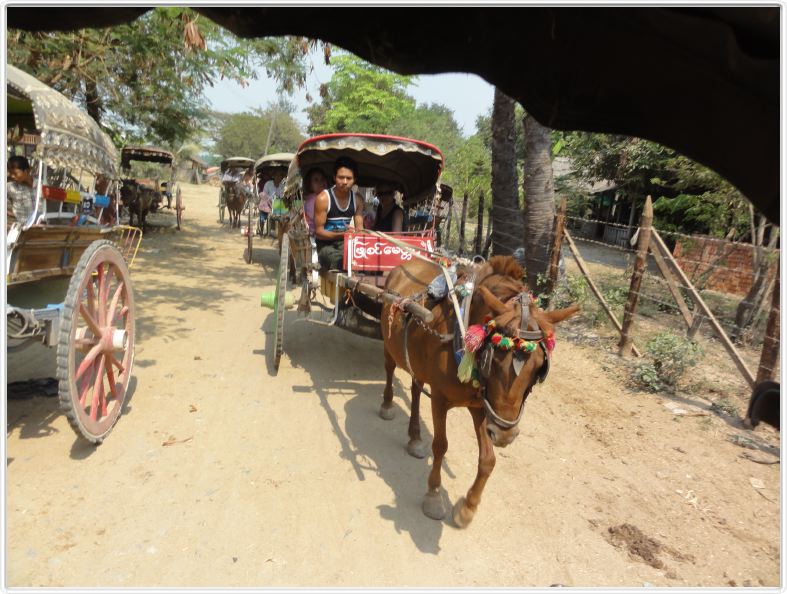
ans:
x=334 y=208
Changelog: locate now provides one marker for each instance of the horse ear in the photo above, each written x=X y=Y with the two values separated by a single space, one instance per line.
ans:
x=558 y=315
x=497 y=306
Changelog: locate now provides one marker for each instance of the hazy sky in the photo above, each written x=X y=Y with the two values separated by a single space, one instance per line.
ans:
x=467 y=95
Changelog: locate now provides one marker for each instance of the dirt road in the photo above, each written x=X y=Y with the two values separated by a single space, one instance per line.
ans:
x=293 y=479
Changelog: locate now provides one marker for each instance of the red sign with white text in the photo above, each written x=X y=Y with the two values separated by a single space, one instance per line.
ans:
x=367 y=253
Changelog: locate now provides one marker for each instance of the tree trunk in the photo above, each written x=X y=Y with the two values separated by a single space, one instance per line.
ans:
x=461 y=250
x=539 y=212
x=93 y=101
x=506 y=225
x=749 y=305
x=479 y=228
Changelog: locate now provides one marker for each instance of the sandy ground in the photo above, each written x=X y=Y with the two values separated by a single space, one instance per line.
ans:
x=293 y=479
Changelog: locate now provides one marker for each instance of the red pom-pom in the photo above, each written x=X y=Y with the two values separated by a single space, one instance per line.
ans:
x=474 y=337
x=550 y=342
x=496 y=338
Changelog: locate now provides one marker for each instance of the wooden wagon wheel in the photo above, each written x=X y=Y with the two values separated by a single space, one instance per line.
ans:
x=222 y=204
x=95 y=350
x=179 y=208
x=249 y=235
x=280 y=306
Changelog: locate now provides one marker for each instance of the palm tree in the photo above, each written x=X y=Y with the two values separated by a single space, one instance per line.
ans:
x=539 y=189
x=506 y=224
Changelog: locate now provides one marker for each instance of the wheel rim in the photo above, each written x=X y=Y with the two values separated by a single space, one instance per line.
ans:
x=279 y=306
x=100 y=343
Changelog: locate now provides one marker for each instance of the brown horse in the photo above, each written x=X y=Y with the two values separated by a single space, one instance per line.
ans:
x=236 y=200
x=506 y=379
x=137 y=196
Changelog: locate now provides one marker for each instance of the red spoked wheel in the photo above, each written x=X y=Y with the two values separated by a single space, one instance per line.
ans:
x=95 y=351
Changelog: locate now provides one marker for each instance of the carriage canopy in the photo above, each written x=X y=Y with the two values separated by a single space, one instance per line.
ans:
x=236 y=163
x=274 y=160
x=67 y=136
x=412 y=164
x=148 y=154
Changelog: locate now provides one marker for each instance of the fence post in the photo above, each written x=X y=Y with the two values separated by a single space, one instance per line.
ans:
x=557 y=243
x=643 y=241
x=770 y=344
x=594 y=289
x=488 y=240
x=462 y=226
x=479 y=230
x=446 y=241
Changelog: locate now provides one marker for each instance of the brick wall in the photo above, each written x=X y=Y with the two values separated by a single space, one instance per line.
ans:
x=733 y=272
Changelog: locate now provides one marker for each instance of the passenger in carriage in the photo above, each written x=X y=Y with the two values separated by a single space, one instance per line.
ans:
x=314 y=183
x=274 y=188
x=390 y=216
x=20 y=191
x=334 y=210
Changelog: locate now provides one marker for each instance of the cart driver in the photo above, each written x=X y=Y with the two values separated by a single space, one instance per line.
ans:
x=334 y=210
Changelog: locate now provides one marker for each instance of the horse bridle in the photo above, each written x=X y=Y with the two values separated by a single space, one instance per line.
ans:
x=525 y=333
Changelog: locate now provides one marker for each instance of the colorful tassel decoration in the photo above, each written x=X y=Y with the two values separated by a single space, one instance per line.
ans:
x=466 y=366
x=550 y=342
x=474 y=337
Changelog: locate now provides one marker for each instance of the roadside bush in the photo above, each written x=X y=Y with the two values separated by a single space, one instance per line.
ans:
x=671 y=356
x=572 y=289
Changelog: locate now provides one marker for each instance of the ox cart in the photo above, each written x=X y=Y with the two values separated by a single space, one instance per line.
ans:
x=265 y=170
x=142 y=195
x=231 y=194
x=356 y=292
x=70 y=303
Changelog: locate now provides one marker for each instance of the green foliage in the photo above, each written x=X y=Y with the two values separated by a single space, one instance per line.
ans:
x=360 y=97
x=246 y=134
x=671 y=356
x=141 y=81
x=571 y=289
x=433 y=123
x=688 y=197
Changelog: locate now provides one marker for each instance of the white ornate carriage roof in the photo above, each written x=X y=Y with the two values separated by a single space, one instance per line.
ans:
x=69 y=137
x=274 y=160
x=412 y=164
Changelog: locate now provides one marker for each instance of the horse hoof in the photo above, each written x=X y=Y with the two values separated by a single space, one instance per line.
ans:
x=433 y=506
x=387 y=412
x=462 y=514
x=416 y=448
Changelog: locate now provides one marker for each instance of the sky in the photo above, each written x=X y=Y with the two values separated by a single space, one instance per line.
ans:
x=467 y=95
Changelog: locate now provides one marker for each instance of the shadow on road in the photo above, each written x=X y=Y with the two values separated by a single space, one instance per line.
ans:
x=339 y=362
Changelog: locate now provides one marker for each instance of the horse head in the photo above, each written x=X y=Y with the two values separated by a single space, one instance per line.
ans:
x=517 y=339
x=128 y=192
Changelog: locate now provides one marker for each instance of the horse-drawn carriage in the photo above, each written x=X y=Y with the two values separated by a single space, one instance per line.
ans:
x=265 y=169
x=69 y=291
x=411 y=165
x=142 y=195
x=231 y=194
x=470 y=330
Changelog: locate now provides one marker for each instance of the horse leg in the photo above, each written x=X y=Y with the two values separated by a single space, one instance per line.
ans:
x=433 y=504
x=386 y=408
x=415 y=447
x=465 y=507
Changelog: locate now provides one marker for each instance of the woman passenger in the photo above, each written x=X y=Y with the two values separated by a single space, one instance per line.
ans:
x=314 y=183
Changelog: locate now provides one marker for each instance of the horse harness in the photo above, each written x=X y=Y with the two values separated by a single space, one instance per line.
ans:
x=528 y=331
